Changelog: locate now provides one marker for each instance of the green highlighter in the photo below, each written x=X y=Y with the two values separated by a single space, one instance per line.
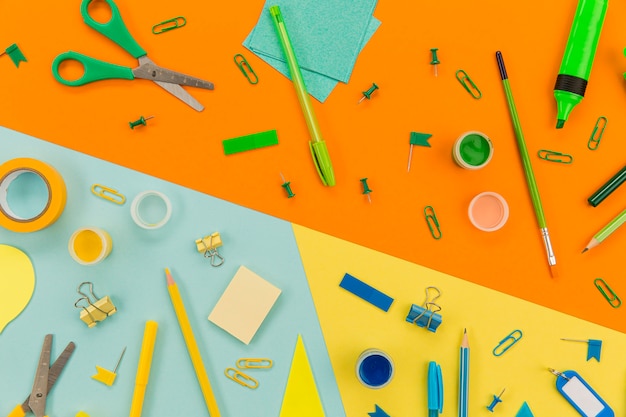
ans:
x=321 y=159
x=580 y=51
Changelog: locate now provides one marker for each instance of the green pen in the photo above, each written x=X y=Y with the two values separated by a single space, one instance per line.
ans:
x=580 y=51
x=321 y=159
x=606 y=231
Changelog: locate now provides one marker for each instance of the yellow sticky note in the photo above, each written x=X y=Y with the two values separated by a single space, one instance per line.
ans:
x=301 y=397
x=244 y=305
x=17 y=283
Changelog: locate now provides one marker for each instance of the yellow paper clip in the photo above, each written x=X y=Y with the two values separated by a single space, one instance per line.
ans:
x=209 y=245
x=167 y=25
x=506 y=343
x=468 y=84
x=246 y=69
x=241 y=378
x=596 y=134
x=96 y=309
x=108 y=194
x=432 y=222
x=554 y=156
x=607 y=292
x=254 y=363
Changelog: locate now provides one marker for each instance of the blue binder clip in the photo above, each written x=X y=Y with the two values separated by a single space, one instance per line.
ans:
x=426 y=315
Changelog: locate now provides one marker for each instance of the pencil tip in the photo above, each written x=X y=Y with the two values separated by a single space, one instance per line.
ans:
x=585 y=250
x=168 y=275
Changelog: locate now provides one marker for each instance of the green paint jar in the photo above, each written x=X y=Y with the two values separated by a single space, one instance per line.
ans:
x=472 y=150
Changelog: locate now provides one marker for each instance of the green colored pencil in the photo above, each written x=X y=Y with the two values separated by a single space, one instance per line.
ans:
x=528 y=169
x=606 y=231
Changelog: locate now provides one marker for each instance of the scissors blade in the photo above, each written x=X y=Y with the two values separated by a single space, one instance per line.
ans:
x=55 y=371
x=150 y=71
x=39 y=394
x=172 y=87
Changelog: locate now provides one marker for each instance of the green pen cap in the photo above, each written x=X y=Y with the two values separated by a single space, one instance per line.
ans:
x=571 y=82
x=322 y=162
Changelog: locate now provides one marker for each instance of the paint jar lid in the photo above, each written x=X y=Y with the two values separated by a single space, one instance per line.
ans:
x=472 y=150
x=488 y=211
x=374 y=368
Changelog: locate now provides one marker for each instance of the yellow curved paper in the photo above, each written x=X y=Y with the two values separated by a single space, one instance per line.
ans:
x=17 y=283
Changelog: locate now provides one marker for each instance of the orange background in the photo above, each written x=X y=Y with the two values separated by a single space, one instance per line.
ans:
x=367 y=140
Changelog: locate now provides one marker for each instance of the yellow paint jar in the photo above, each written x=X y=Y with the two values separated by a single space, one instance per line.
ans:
x=90 y=245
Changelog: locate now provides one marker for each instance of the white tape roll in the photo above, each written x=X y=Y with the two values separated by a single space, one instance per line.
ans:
x=135 y=210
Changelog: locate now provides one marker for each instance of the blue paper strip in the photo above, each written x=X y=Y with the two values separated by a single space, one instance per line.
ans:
x=366 y=292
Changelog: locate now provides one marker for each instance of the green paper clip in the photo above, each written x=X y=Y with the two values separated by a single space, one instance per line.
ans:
x=432 y=222
x=554 y=156
x=468 y=84
x=596 y=136
x=167 y=25
x=246 y=69
x=607 y=292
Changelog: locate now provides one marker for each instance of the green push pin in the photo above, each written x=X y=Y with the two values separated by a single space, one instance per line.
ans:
x=434 y=61
x=366 y=189
x=368 y=93
x=140 y=121
x=287 y=187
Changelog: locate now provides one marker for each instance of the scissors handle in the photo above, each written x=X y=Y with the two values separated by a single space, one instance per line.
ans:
x=114 y=29
x=94 y=69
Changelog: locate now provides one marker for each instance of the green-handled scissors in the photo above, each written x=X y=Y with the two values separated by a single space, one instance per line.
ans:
x=95 y=70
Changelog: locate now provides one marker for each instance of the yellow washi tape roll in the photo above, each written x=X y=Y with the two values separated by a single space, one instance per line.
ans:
x=57 y=195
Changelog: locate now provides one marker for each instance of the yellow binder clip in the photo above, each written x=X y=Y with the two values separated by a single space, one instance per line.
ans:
x=241 y=378
x=108 y=194
x=93 y=310
x=209 y=245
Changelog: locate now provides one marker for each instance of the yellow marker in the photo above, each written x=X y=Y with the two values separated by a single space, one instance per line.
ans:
x=192 y=346
x=104 y=375
x=82 y=414
x=143 y=368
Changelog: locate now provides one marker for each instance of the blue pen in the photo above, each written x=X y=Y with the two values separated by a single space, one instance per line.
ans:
x=435 y=390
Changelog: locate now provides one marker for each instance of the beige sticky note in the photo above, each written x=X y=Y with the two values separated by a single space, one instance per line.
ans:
x=244 y=305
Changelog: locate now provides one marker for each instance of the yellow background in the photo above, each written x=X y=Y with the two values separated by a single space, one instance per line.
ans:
x=352 y=325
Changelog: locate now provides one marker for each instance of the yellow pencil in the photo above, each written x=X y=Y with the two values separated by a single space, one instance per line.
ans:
x=192 y=346
x=143 y=368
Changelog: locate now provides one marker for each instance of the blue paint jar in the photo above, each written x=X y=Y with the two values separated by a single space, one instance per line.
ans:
x=374 y=368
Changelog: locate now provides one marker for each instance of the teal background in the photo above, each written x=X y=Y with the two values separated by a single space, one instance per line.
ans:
x=133 y=276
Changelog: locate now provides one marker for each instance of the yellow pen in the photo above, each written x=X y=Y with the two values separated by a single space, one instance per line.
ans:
x=321 y=158
x=192 y=346
x=143 y=368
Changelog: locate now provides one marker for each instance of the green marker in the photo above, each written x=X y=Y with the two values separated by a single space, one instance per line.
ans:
x=571 y=82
